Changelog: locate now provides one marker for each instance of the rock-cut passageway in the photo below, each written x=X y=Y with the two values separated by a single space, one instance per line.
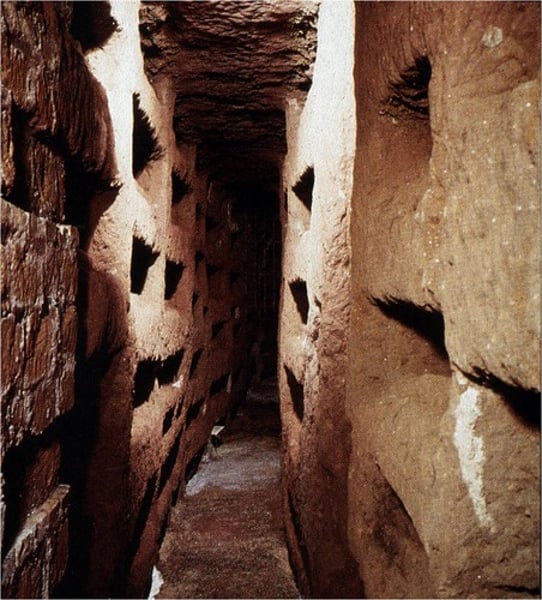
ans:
x=226 y=538
x=340 y=197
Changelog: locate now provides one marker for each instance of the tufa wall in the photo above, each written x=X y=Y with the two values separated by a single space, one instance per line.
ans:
x=409 y=358
x=50 y=147
x=317 y=180
x=158 y=287
x=139 y=255
x=443 y=373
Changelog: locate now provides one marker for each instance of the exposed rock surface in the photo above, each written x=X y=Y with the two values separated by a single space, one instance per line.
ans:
x=317 y=180
x=233 y=64
x=48 y=142
x=444 y=355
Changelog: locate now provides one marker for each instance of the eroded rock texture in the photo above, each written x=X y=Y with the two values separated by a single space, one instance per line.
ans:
x=314 y=317
x=444 y=357
x=48 y=141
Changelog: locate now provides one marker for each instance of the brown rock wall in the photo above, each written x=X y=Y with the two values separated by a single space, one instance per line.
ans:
x=443 y=357
x=47 y=141
x=314 y=316
x=173 y=276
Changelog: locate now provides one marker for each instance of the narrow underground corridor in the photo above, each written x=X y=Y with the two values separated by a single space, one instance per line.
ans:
x=226 y=538
x=307 y=228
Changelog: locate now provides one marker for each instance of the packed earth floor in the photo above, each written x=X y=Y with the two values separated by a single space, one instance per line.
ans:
x=225 y=537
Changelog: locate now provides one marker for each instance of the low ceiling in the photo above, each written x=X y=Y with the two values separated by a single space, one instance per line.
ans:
x=233 y=64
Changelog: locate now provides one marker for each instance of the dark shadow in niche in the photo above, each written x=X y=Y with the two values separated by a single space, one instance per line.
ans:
x=294 y=519
x=219 y=385
x=92 y=24
x=167 y=467
x=212 y=270
x=151 y=369
x=199 y=257
x=297 y=393
x=194 y=410
x=304 y=187
x=143 y=257
x=141 y=520
x=298 y=288
x=179 y=409
x=168 y=420
x=19 y=195
x=145 y=145
x=169 y=368
x=179 y=187
x=525 y=404
x=393 y=527
x=217 y=328
x=143 y=381
x=428 y=323
x=195 y=361
x=195 y=298
x=193 y=464
x=17 y=463
x=174 y=272
x=211 y=223
x=410 y=92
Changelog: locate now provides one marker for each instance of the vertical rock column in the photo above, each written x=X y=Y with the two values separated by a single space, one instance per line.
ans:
x=314 y=314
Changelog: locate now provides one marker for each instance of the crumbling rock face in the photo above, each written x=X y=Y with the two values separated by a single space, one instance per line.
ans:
x=47 y=141
x=232 y=64
x=444 y=359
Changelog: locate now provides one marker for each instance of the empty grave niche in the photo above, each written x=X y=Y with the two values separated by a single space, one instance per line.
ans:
x=180 y=188
x=303 y=189
x=297 y=393
x=173 y=274
x=146 y=148
x=180 y=192
x=300 y=296
x=221 y=384
x=143 y=258
x=155 y=371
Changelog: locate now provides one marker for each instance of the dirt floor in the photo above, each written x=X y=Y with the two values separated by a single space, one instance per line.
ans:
x=225 y=538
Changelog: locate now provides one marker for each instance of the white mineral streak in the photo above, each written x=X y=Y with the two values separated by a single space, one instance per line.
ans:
x=157 y=582
x=492 y=37
x=470 y=449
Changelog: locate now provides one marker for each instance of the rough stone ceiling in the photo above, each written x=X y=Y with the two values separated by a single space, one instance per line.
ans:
x=233 y=63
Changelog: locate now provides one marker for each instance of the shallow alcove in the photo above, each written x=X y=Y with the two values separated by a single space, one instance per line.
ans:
x=298 y=289
x=143 y=257
x=173 y=274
